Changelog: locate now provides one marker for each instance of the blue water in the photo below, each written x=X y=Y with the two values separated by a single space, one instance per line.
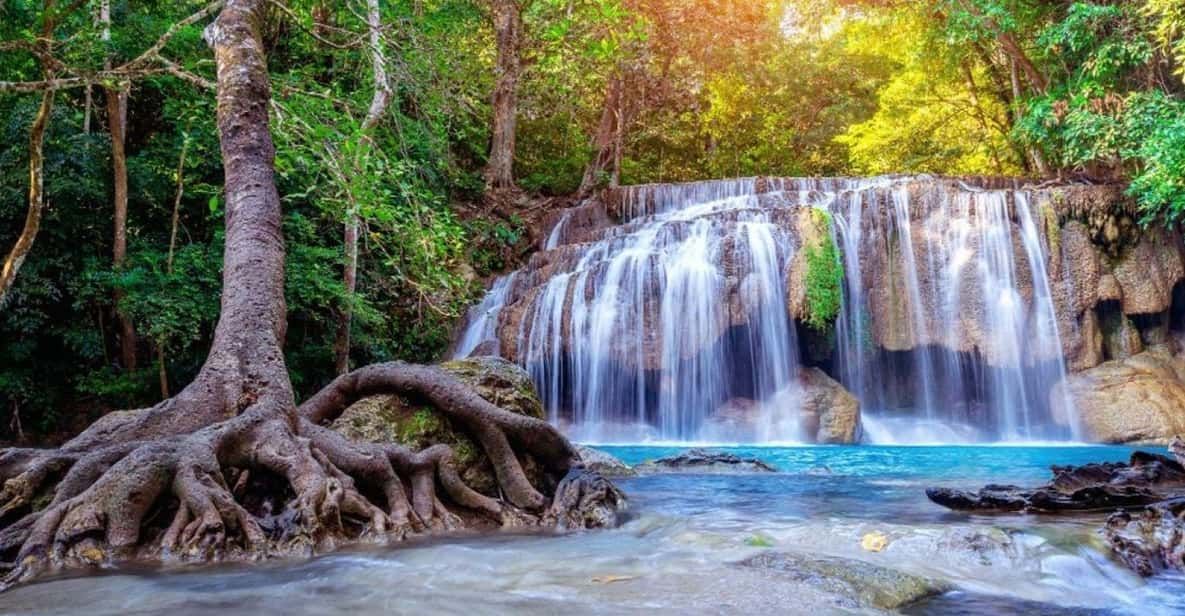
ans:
x=865 y=482
x=678 y=552
x=969 y=463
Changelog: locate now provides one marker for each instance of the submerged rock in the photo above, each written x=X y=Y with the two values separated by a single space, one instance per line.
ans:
x=706 y=462
x=1146 y=479
x=1140 y=399
x=416 y=425
x=603 y=463
x=858 y=583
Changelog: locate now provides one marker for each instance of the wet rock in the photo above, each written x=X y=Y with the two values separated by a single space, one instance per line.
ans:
x=585 y=499
x=858 y=583
x=1140 y=399
x=1149 y=541
x=829 y=413
x=1146 y=479
x=704 y=462
x=415 y=424
x=603 y=463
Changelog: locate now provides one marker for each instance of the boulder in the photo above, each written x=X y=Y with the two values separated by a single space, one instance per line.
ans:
x=1149 y=541
x=702 y=461
x=603 y=463
x=1145 y=480
x=416 y=425
x=859 y=584
x=829 y=413
x=1140 y=399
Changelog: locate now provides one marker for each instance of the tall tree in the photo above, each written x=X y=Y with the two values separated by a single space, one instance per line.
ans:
x=508 y=35
x=380 y=100
x=239 y=415
x=117 y=113
x=24 y=243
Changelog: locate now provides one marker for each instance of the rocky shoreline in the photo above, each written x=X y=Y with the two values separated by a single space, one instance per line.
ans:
x=1146 y=495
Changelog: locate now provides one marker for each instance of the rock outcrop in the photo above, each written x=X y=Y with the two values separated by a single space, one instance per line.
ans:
x=1146 y=479
x=829 y=413
x=603 y=463
x=412 y=423
x=1147 y=533
x=1140 y=399
x=704 y=462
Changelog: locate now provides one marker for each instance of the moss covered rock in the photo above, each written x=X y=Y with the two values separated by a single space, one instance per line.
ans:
x=417 y=425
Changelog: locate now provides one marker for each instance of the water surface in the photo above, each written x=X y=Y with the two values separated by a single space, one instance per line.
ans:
x=677 y=554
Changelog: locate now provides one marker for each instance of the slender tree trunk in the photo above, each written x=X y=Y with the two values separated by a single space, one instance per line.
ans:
x=508 y=27
x=379 y=103
x=607 y=139
x=177 y=200
x=980 y=115
x=117 y=109
x=1034 y=155
x=24 y=243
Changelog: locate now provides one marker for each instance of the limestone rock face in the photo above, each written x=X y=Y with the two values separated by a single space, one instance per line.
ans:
x=829 y=412
x=416 y=425
x=1140 y=399
x=1148 y=272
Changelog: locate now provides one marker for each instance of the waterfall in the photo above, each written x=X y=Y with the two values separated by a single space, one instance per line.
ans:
x=681 y=318
x=483 y=318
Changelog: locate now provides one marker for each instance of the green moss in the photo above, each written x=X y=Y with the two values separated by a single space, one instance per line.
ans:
x=423 y=422
x=1053 y=228
x=824 y=275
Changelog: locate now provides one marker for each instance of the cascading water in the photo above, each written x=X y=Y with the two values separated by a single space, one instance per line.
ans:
x=657 y=327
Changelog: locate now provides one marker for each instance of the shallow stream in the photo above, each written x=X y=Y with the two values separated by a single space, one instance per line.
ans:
x=678 y=552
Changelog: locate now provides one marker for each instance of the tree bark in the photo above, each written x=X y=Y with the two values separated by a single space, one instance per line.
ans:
x=379 y=103
x=508 y=26
x=605 y=163
x=156 y=482
x=117 y=109
x=24 y=243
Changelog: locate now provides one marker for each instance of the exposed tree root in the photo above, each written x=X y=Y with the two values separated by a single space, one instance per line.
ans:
x=182 y=496
x=230 y=468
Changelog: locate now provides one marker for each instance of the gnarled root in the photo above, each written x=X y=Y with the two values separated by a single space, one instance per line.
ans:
x=193 y=496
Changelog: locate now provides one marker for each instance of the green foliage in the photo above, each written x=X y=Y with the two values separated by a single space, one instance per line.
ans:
x=824 y=275
x=733 y=87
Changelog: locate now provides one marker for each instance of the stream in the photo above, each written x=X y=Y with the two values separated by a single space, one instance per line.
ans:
x=678 y=553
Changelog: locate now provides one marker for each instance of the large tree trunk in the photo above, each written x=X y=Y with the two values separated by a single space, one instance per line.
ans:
x=184 y=478
x=605 y=165
x=508 y=27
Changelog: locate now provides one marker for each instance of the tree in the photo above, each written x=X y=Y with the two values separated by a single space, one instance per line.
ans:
x=239 y=415
x=378 y=106
x=508 y=34
x=117 y=115
x=24 y=243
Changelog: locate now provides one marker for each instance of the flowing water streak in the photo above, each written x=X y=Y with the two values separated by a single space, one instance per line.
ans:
x=482 y=320
x=648 y=331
